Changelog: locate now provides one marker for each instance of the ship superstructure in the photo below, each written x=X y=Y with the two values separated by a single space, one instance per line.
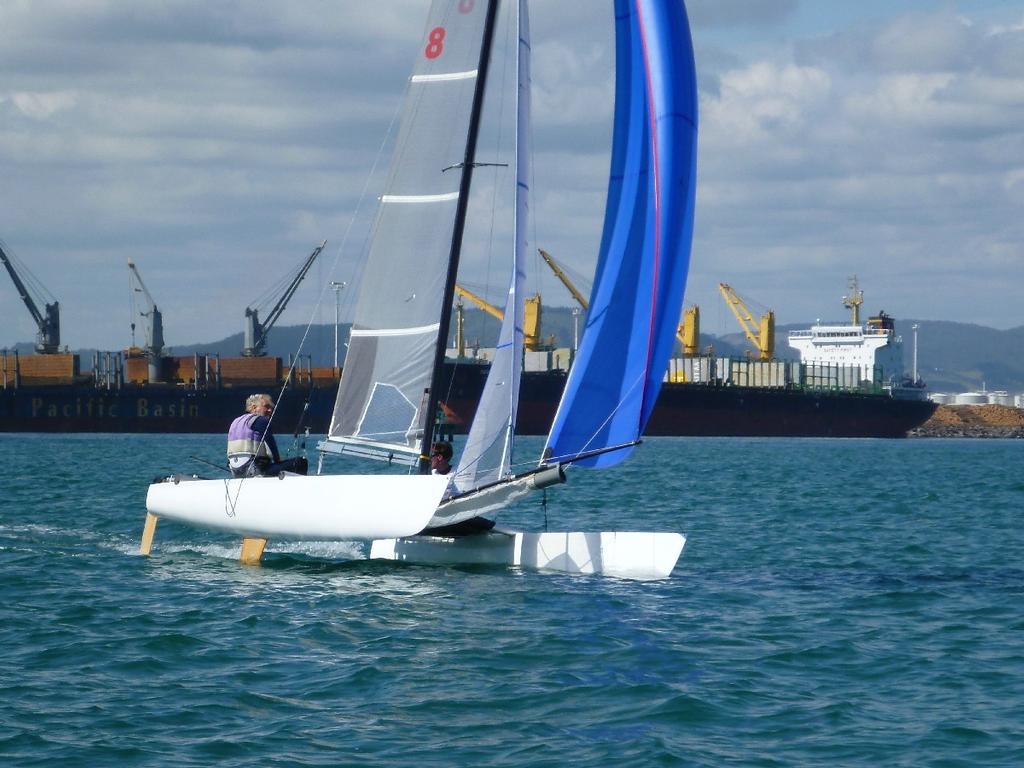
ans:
x=871 y=347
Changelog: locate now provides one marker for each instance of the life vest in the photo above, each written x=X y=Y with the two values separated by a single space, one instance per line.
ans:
x=244 y=441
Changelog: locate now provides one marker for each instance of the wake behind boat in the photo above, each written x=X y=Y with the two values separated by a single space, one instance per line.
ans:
x=389 y=391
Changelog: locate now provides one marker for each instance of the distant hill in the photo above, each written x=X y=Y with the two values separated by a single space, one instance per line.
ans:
x=952 y=357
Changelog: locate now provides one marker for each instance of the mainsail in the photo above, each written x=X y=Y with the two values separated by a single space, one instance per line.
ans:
x=645 y=248
x=382 y=399
x=487 y=454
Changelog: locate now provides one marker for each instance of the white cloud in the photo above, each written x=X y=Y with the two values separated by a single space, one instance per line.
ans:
x=209 y=141
x=40 y=106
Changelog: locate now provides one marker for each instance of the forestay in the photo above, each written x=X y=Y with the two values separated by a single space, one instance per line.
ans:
x=486 y=457
x=641 y=274
x=389 y=363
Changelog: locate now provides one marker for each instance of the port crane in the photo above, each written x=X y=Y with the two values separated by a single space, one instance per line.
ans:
x=154 y=348
x=47 y=321
x=256 y=332
x=760 y=334
x=688 y=333
x=531 y=319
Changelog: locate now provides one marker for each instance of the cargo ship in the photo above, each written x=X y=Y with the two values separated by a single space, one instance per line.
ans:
x=848 y=382
x=719 y=397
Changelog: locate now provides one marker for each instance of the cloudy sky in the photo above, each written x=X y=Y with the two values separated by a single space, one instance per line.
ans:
x=217 y=143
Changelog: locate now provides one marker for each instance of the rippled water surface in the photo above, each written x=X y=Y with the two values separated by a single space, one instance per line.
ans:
x=849 y=602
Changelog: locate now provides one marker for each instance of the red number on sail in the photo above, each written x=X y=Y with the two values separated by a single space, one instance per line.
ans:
x=466 y=6
x=435 y=43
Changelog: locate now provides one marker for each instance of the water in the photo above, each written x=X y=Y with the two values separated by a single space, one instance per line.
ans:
x=850 y=602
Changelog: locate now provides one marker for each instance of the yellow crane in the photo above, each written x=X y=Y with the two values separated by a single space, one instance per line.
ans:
x=762 y=334
x=560 y=274
x=688 y=333
x=531 y=320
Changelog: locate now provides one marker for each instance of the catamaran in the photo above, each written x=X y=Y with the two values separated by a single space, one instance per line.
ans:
x=390 y=388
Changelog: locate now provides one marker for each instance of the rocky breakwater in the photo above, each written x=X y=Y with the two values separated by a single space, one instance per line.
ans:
x=973 y=421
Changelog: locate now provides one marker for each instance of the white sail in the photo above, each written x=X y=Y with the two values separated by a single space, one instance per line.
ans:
x=391 y=352
x=487 y=455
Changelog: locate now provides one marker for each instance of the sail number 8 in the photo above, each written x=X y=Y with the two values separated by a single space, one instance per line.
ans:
x=435 y=40
x=435 y=43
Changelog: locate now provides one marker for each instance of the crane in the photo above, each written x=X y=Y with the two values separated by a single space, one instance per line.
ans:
x=155 y=325
x=560 y=274
x=255 y=331
x=688 y=333
x=47 y=321
x=761 y=335
x=531 y=321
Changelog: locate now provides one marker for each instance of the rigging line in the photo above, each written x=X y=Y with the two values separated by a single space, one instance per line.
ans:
x=341 y=246
x=325 y=286
x=494 y=187
x=611 y=413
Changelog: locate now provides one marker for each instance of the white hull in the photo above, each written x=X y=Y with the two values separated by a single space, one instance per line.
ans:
x=488 y=501
x=320 y=507
x=625 y=554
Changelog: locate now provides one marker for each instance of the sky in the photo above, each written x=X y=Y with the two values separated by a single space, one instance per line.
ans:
x=217 y=143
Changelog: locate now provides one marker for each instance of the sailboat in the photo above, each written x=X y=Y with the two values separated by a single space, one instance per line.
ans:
x=390 y=388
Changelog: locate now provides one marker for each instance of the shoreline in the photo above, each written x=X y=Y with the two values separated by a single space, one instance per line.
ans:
x=973 y=421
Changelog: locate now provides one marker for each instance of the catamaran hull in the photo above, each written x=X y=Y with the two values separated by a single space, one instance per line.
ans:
x=321 y=507
x=625 y=554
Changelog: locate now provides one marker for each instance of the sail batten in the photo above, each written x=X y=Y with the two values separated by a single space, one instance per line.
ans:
x=389 y=366
x=442 y=77
x=443 y=197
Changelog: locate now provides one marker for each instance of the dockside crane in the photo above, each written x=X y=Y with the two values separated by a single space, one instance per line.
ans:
x=47 y=321
x=531 y=320
x=560 y=274
x=760 y=334
x=256 y=332
x=688 y=333
x=154 y=348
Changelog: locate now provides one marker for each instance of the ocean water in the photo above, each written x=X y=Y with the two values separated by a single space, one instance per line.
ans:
x=846 y=602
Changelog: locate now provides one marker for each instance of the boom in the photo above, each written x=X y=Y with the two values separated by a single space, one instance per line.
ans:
x=255 y=331
x=761 y=335
x=560 y=274
x=48 y=321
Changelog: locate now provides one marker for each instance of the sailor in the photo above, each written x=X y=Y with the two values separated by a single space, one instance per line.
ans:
x=252 y=449
x=440 y=458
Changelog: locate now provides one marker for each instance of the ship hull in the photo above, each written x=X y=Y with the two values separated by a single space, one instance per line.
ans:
x=735 y=411
x=682 y=409
x=151 y=408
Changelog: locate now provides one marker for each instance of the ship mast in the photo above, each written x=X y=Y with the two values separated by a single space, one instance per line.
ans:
x=854 y=300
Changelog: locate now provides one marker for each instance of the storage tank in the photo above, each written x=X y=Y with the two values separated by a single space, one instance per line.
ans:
x=941 y=398
x=1000 y=397
x=972 y=398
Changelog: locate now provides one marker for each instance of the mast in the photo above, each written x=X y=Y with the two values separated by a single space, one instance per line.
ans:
x=460 y=224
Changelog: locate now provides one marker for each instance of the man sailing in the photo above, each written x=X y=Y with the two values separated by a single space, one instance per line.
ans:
x=252 y=449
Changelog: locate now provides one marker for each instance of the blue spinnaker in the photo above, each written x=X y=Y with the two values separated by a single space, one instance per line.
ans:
x=645 y=246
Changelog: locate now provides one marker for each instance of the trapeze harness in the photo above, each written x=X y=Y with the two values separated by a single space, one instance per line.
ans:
x=248 y=447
